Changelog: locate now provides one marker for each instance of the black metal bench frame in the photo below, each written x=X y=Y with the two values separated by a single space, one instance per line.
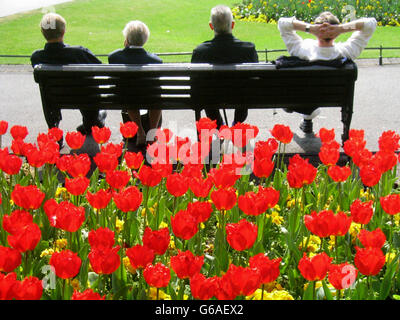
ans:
x=196 y=86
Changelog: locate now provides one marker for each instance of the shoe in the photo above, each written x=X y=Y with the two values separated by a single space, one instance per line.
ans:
x=81 y=129
x=311 y=116
x=288 y=110
x=306 y=126
x=61 y=143
x=86 y=128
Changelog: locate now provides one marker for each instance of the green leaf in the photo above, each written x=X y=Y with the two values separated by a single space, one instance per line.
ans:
x=309 y=292
x=327 y=291
x=387 y=280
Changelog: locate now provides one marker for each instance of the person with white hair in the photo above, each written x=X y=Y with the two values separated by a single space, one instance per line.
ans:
x=326 y=28
x=136 y=33
x=224 y=48
x=53 y=28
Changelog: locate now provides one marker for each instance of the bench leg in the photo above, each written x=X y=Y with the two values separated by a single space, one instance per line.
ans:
x=347 y=113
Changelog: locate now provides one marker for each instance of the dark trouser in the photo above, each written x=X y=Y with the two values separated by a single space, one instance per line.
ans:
x=90 y=118
x=214 y=114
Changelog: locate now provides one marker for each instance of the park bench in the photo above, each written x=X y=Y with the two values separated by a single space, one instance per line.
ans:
x=195 y=86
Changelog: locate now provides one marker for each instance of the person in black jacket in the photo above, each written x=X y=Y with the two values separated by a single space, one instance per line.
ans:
x=136 y=34
x=224 y=48
x=56 y=51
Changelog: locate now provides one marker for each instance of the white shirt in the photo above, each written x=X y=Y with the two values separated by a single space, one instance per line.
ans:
x=308 y=49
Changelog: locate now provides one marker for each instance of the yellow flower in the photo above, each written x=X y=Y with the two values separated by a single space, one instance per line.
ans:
x=61 y=191
x=354 y=230
x=273 y=295
x=275 y=218
x=171 y=245
x=47 y=252
x=152 y=292
x=163 y=225
x=119 y=225
x=75 y=284
x=61 y=244
x=314 y=242
x=128 y=265
x=390 y=256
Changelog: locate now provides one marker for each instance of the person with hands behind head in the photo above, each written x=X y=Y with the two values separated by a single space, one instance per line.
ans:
x=326 y=28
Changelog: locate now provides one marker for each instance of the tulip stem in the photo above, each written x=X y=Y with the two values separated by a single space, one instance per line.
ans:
x=314 y=292
x=262 y=291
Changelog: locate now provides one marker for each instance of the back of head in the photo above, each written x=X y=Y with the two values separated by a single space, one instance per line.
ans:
x=53 y=26
x=221 y=19
x=136 y=33
x=326 y=17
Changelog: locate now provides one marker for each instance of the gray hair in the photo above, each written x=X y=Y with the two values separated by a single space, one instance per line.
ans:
x=136 y=33
x=52 y=26
x=327 y=17
x=221 y=19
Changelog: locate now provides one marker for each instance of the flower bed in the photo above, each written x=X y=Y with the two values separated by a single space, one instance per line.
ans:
x=180 y=229
x=385 y=12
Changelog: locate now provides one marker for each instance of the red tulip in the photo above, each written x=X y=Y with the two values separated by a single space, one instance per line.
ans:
x=118 y=179
x=282 y=133
x=339 y=174
x=184 y=225
x=77 y=186
x=64 y=162
x=252 y=204
x=78 y=165
x=262 y=168
x=149 y=176
x=240 y=134
x=372 y=239
x=17 y=220
x=102 y=238
x=9 y=259
x=163 y=135
x=29 y=197
x=55 y=133
x=265 y=149
x=200 y=210
x=140 y=256
x=31 y=288
x=326 y=223
x=300 y=172
x=88 y=294
x=223 y=177
x=66 y=264
x=8 y=283
x=113 y=148
x=244 y=281
x=186 y=264
x=164 y=169
x=389 y=141
x=342 y=276
x=100 y=199
x=384 y=161
x=157 y=275
x=354 y=145
x=133 y=160
x=157 y=240
x=106 y=162
x=75 y=140
x=128 y=129
x=3 y=127
x=268 y=268
x=206 y=124
x=35 y=158
x=201 y=187
x=65 y=215
x=361 y=212
x=26 y=238
x=370 y=175
x=362 y=158
x=104 y=260
x=369 y=261
x=391 y=203
x=203 y=288
x=128 y=199
x=224 y=199
x=12 y=164
x=326 y=135
x=242 y=235
x=101 y=135
x=314 y=268
x=18 y=132
x=177 y=184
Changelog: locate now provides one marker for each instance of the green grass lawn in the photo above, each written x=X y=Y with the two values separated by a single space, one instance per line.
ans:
x=175 y=26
